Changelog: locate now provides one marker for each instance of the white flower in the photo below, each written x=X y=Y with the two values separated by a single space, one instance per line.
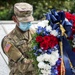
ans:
x=45 y=72
x=54 y=57
x=52 y=63
x=48 y=28
x=41 y=65
x=53 y=60
x=48 y=67
x=54 y=32
x=46 y=57
x=55 y=53
x=40 y=58
x=45 y=22
x=42 y=23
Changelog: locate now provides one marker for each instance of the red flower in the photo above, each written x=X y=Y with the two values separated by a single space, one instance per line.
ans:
x=59 y=69
x=44 y=45
x=73 y=49
x=53 y=41
x=72 y=18
x=73 y=30
x=39 y=39
x=68 y=15
x=71 y=37
x=47 y=41
x=46 y=38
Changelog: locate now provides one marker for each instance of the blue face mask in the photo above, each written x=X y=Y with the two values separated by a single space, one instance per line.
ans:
x=24 y=26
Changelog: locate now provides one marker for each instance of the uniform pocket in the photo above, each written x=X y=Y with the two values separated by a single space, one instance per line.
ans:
x=30 y=67
x=23 y=67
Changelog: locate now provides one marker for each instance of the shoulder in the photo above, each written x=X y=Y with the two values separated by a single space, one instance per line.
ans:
x=32 y=31
x=6 y=40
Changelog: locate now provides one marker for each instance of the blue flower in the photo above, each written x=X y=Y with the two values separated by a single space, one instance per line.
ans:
x=46 y=33
x=56 y=71
x=49 y=51
x=44 y=29
x=56 y=48
x=58 y=62
x=53 y=49
x=35 y=54
x=39 y=50
x=52 y=68
x=45 y=51
x=35 y=48
x=39 y=30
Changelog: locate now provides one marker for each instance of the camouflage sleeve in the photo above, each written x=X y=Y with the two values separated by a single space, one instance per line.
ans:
x=11 y=51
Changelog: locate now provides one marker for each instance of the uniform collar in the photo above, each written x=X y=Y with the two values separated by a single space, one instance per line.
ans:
x=23 y=35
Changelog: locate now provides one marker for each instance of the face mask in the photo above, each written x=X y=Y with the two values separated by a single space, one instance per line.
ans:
x=24 y=26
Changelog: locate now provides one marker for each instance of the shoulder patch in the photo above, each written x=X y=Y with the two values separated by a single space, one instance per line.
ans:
x=7 y=47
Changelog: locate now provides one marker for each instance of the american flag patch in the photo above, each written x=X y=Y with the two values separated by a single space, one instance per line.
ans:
x=7 y=47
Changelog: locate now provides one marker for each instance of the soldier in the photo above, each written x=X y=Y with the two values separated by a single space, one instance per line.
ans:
x=16 y=44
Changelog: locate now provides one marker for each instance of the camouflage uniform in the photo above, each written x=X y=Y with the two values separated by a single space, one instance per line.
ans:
x=16 y=44
x=19 y=46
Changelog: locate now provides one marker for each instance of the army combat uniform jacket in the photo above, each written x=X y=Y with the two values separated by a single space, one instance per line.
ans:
x=16 y=46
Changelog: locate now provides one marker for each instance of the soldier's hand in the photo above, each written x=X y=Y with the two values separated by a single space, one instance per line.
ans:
x=27 y=61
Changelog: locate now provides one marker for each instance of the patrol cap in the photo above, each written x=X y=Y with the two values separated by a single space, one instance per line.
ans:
x=23 y=12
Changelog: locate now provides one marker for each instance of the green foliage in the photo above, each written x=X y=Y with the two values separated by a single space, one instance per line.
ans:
x=6 y=14
x=40 y=7
x=31 y=53
x=73 y=9
x=3 y=14
x=35 y=63
x=33 y=39
x=32 y=56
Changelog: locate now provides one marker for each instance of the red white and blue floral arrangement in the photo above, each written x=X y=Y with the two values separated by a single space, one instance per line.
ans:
x=45 y=43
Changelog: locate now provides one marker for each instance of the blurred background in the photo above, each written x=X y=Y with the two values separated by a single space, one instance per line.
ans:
x=40 y=7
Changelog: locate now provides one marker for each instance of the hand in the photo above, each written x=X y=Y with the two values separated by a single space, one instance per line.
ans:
x=27 y=61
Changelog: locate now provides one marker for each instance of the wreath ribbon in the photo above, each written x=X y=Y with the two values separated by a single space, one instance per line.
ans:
x=58 y=22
